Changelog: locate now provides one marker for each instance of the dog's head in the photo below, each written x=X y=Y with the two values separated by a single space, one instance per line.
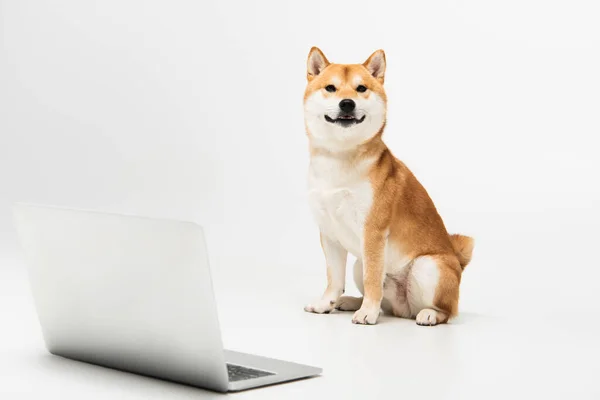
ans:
x=344 y=104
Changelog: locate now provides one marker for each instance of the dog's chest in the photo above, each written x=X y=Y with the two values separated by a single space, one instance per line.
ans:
x=340 y=197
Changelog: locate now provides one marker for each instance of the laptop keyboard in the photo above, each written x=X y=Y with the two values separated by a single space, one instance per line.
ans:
x=239 y=373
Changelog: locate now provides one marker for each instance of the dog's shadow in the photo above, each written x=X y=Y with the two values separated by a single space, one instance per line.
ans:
x=463 y=318
x=98 y=377
x=466 y=318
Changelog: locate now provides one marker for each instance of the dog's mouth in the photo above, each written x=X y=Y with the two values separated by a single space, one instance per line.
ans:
x=345 y=119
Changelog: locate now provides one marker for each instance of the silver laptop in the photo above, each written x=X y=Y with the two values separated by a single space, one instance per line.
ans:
x=134 y=294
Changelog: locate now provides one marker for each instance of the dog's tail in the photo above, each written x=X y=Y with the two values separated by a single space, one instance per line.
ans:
x=463 y=248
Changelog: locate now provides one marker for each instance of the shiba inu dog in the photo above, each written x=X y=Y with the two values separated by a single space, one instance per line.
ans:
x=368 y=203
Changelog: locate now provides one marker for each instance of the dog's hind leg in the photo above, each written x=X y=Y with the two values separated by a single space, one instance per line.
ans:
x=349 y=303
x=432 y=289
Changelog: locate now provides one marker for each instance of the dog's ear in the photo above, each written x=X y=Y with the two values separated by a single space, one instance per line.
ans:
x=375 y=64
x=316 y=63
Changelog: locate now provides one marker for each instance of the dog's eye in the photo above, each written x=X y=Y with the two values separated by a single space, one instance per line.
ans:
x=330 y=88
x=361 y=88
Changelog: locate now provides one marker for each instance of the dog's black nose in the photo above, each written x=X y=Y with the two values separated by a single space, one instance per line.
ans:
x=347 y=105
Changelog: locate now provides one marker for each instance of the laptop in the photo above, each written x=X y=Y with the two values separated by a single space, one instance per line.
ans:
x=134 y=294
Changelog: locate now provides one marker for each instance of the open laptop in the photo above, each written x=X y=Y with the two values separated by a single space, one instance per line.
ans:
x=134 y=294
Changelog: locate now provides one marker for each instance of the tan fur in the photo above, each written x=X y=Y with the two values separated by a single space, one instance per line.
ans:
x=401 y=213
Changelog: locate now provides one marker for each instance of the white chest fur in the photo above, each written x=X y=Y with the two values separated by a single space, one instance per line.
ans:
x=340 y=198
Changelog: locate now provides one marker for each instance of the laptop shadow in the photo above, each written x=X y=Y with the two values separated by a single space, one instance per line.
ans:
x=100 y=377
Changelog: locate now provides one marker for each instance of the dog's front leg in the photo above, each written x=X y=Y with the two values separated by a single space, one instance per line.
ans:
x=373 y=276
x=335 y=258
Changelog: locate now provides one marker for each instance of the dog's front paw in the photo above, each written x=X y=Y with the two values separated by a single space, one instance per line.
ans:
x=366 y=316
x=322 y=306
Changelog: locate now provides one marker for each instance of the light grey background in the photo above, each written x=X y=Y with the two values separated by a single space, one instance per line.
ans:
x=193 y=110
